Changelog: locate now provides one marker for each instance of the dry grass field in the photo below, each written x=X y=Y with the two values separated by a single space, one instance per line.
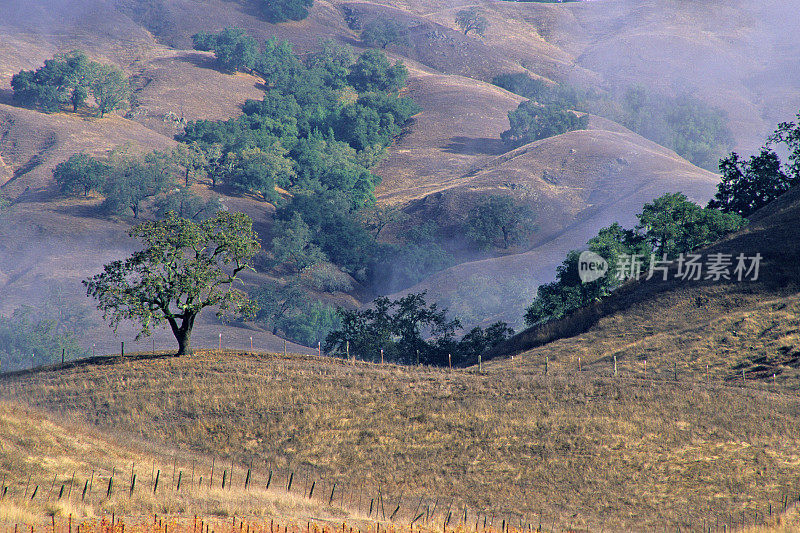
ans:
x=64 y=469
x=575 y=450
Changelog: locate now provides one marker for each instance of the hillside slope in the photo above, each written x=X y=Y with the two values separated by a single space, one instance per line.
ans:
x=702 y=329
x=64 y=469
x=566 y=451
x=450 y=155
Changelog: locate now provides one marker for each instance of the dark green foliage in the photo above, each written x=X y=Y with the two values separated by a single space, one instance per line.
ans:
x=471 y=20
x=110 y=89
x=233 y=48
x=383 y=32
x=478 y=341
x=204 y=41
x=323 y=122
x=133 y=178
x=325 y=164
x=531 y=122
x=258 y=171
x=374 y=72
x=70 y=78
x=539 y=90
x=672 y=225
x=397 y=327
x=669 y=226
x=186 y=204
x=328 y=142
x=567 y=292
x=313 y=324
x=788 y=134
x=80 y=174
x=750 y=185
x=29 y=338
x=282 y=10
x=685 y=124
x=78 y=97
x=417 y=257
x=409 y=330
x=498 y=221
x=294 y=246
x=335 y=229
x=331 y=64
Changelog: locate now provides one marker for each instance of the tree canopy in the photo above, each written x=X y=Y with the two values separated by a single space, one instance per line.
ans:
x=691 y=127
x=471 y=20
x=532 y=121
x=184 y=268
x=282 y=10
x=748 y=185
x=382 y=32
x=668 y=226
x=70 y=78
x=499 y=221
x=409 y=330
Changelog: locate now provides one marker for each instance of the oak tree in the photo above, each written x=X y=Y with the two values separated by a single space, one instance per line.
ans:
x=184 y=268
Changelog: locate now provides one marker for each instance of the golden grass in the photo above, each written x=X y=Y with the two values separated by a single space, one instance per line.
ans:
x=37 y=454
x=571 y=450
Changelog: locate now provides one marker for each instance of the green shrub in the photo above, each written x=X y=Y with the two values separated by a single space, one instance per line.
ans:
x=531 y=122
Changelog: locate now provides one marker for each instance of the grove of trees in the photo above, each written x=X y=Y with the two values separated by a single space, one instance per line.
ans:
x=532 y=121
x=283 y=10
x=410 y=331
x=382 y=32
x=323 y=122
x=682 y=123
x=128 y=179
x=668 y=226
x=69 y=79
x=748 y=185
x=499 y=221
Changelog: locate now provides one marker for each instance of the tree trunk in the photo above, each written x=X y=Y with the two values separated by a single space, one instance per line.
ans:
x=183 y=334
x=184 y=345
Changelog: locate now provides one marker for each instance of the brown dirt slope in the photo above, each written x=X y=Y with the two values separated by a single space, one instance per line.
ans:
x=575 y=183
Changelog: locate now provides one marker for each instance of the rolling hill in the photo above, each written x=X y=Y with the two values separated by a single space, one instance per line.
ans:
x=724 y=329
x=450 y=155
x=566 y=450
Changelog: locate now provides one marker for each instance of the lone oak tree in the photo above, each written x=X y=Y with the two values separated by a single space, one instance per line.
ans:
x=184 y=268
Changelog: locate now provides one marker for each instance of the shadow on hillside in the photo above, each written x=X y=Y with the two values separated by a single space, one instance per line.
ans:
x=92 y=210
x=201 y=61
x=473 y=146
x=7 y=96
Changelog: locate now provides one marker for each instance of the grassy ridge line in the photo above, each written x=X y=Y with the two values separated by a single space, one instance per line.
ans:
x=578 y=450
